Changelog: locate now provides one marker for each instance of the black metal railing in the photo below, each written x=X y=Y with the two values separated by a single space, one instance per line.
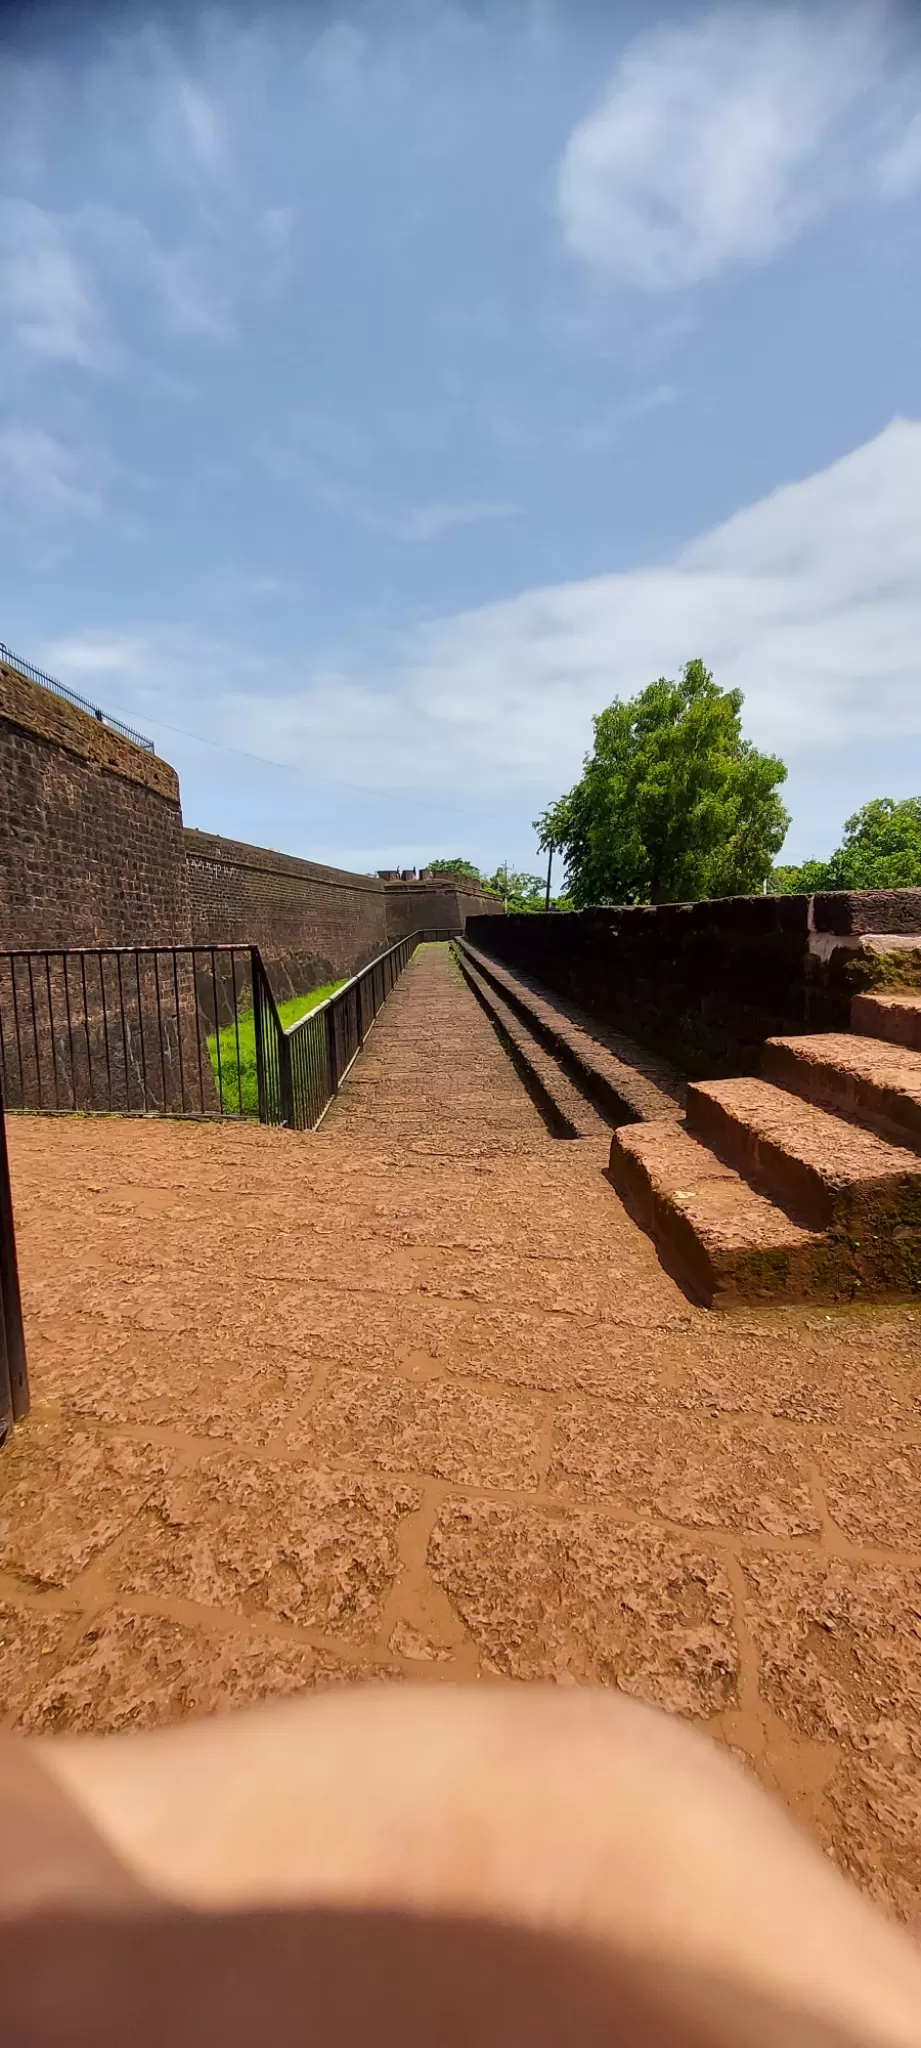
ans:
x=28 y=668
x=179 y=1031
x=314 y=1055
x=14 y=1381
x=135 y=1029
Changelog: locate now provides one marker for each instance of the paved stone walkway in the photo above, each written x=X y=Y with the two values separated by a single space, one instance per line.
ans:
x=414 y=1397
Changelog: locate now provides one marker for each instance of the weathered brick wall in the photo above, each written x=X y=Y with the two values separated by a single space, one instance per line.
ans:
x=707 y=983
x=311 y=923
x=93 y=852
x=434 y=906
x=91 y=849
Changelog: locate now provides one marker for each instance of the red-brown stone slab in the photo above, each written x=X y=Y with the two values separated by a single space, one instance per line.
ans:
x=869 y=1079
x=719 y=1234
x=896 y=1017
x=833 y=1173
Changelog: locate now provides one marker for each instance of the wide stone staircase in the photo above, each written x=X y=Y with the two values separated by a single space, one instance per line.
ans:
x=585 y=1077
x=803 y=1183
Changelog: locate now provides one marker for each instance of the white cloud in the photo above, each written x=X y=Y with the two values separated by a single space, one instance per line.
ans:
x=343 y=447
x=606 y=430
x=189 y=304
x=202 y=128
x=46 y=293
x=426 y=522
x=809 y=601
x=900 y=166
x=719 y=141
x=43 y=488
x=336 y=57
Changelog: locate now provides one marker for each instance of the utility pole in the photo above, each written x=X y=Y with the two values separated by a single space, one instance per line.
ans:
x=505 y=896
x=549 y=871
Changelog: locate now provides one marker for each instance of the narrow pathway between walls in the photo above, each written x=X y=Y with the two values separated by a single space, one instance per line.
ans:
x=434 y=1074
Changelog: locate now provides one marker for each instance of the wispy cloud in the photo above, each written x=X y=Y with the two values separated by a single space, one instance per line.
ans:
x=335 y=59
x=414 y=522
x=809 y=601
x=720 y=141
x=201 y=127
x=43 y=484
x=320 y=443
x=597 y=436
x=189 y=301
x=47 y=294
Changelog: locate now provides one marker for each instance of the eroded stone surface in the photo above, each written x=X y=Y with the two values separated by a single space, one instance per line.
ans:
x=30 y=1640
x=839 y=1648
x=270 y=1538
x=579 y=1596
x=873 y=1489
x=143 y=1670
x=65 y=1494
x=406 y=1422
x=660 y=1460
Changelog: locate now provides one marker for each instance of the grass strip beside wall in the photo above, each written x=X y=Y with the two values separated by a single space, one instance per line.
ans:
x=241 y=1091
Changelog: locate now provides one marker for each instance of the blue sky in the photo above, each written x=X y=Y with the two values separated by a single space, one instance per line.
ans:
x=386 y=388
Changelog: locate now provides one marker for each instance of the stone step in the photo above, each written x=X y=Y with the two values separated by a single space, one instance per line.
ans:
x=717 y=1235
x=627 y=1083
x=874 y=1081
x=897 y=1018
x=565 y=1109
x=830 y=1174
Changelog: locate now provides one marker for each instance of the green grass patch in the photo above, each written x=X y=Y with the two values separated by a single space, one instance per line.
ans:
x=238 y=1075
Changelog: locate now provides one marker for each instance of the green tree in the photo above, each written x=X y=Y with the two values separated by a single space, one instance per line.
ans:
x=457 y=867
x=881 y=849
x=523 y=892
x=673 y=803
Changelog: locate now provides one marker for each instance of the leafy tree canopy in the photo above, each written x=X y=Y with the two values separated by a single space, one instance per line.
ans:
x=522 y=892
x=456 y=867
x=673 y=803
x=881 y=849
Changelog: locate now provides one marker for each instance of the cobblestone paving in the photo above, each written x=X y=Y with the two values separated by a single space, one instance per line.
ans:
x=414 y=1398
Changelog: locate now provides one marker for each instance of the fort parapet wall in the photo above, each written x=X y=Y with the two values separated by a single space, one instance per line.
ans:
x=437 y=903
x=707 y=983
x=311 y=923
x=93 y=852
x=91 y=847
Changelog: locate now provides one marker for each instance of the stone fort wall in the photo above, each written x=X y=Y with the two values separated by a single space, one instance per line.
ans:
x=91 y=846
x=93 y=852
x=312 y=923
x=707 y=983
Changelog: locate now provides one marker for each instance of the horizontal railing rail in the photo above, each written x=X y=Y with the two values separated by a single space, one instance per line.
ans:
x=28 y=668
x=188 y=1031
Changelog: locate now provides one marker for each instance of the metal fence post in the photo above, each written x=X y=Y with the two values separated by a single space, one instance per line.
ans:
x=255 y=963
x=332 y=1050
x=14 y=1379
x=285 y=1082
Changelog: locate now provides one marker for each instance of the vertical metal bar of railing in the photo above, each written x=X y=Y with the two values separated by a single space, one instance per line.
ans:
x=332 y=1051
x=259 y=1029
x=14 y=1378
x=285 y=1081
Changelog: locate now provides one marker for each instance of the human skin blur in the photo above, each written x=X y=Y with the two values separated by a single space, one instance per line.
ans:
x=422 y=1865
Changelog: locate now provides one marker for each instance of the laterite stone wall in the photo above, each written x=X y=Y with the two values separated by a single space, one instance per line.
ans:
x=707 y=983
x=91 y=848
x=311 y=923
